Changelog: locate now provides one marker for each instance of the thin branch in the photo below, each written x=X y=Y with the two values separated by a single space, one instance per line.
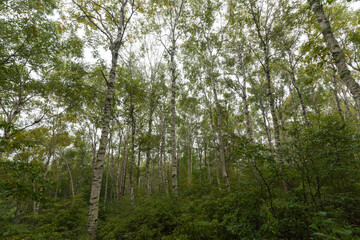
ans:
x=90 y=18
x=16 y=51
x=107 y=10
x=107 y=82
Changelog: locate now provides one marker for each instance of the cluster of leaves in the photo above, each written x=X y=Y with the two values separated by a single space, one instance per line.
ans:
x=210 y=214
x=322 y=207
x=23 y=181
x=61 y=219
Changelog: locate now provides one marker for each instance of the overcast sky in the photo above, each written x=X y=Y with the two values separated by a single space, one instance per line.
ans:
x=107 y=56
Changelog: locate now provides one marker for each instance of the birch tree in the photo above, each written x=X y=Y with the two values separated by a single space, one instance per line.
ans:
x=336 y=52
x=111 y=20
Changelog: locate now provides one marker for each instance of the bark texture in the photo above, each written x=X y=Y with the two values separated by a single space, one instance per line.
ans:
x=175 y=13
x=336 y=51
x=173 y=116
x=98 y=167
x=115 y=41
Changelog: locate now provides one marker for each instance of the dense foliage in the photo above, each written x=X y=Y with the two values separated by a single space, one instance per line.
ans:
x=185 y=119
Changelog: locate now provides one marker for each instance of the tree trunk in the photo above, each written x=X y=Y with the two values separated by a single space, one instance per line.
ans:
x=336 y=51
x=138 y=168
x=207 y=163
x=100 y=159
x=281 y=118
x=106 y=179
x=107 y=163
x=219 y=132
x=111 y=172
x=166 y=175
x=70 y=175
x=175 y=15
x=264 y=117
x=346 y=102
x=248 y=118
x=118 y=169
x=212 y=126
x=161 y=166
x=302 y=104
x=178 y=157
x=124 y=164
x=272 y=103
x=292 y=106
x=163 y=157
x=71 y=179
x=336 y=96
x=148 y=149
x=173 y=116
x=189 y=157
x=132 y=160
x=244 y=95
x=265 y=46
x=200 y=162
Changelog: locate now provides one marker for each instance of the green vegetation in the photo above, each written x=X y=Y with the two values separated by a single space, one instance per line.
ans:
x=182 y=119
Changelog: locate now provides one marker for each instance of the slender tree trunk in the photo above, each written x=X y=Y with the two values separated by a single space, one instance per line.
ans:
x=267 y=130
x=200 y=162
x=138 y=168
x=163 y=156
x=302 y=104
x=244 y=95
x=161 y=164
x=292 y=106
x=219 y=132
x=107 y=163
x=272 y=102
x=118 y=169
x=189 y=157
x=100 y=159
x=336 y=96
x=148 y=180
x=112 y=168
x=265 y=45
x=248 y=118
x=70 y=175
x=132 y=160
x=98 y=168
x=175 y=15
x=166 y=175
x=207 y=163
x=346 y=102
x=282 y=122
x=173 y=116
x=124 y=164
x=212 y=125
x=160 y=170
x=58 y=178
x=178 y=157
x=93 y=144
x=336 y=51
x=106 y=179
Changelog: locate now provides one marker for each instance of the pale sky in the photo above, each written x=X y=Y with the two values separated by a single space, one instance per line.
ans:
x=107 y=56
x=355 y=5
